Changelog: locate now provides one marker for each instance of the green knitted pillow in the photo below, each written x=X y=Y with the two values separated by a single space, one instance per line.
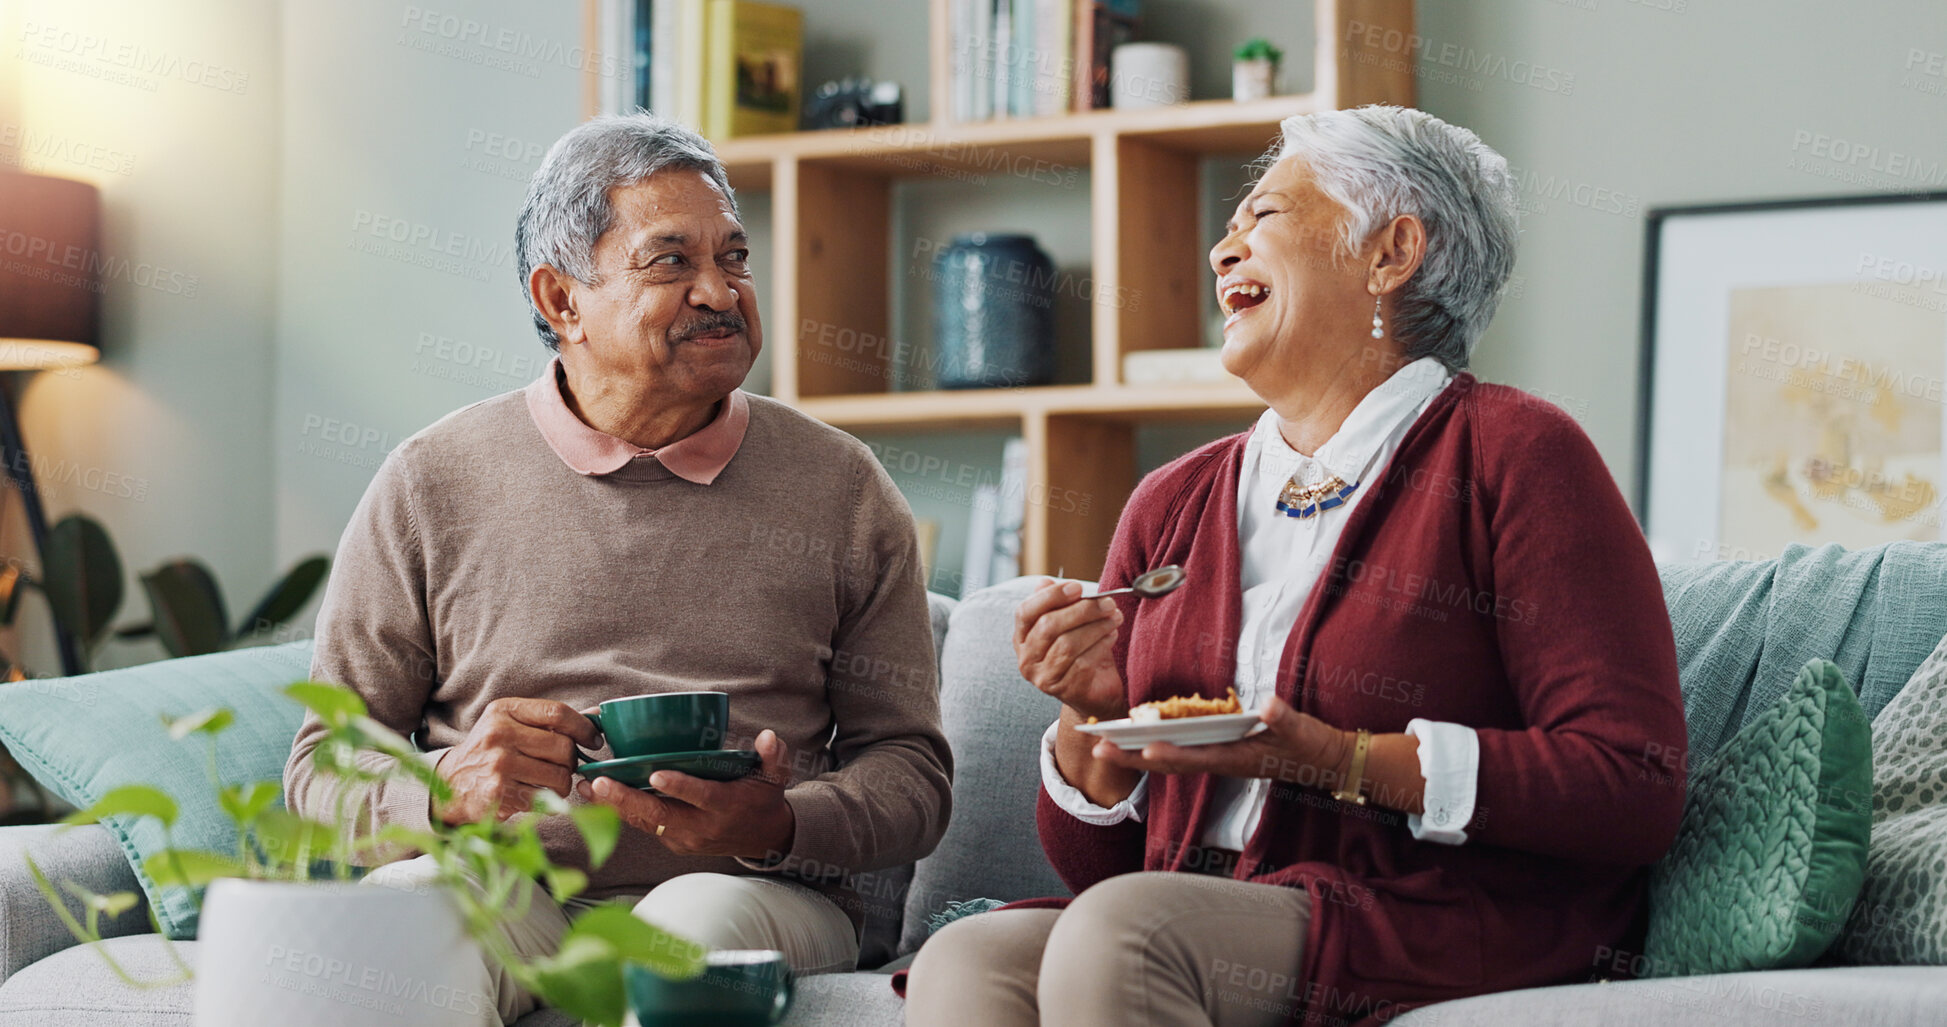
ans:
x=1772 y=849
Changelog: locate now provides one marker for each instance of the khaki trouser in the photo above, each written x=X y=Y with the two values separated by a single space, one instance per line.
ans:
x=1149 y=948
x=718 y=910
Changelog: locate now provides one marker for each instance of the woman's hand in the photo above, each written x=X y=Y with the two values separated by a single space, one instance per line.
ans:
x=1066 y=649
x=1294 y=748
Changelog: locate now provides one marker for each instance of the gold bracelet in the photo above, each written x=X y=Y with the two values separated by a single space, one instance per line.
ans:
x=1356 y=773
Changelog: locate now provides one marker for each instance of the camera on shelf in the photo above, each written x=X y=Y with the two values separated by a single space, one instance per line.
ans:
x=853 y=103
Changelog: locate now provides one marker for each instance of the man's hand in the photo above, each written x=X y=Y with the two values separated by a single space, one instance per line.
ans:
x=694 y=817
x=517 y=747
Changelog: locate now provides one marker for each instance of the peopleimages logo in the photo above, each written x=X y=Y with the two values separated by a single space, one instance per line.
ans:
x=509 y=43
x=18 y=143
x=98 y=54
x=70 y=264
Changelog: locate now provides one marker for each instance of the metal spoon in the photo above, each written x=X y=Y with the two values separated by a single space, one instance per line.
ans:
x=1150 y=584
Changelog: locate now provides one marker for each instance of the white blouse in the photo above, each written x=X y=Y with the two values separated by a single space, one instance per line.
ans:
x=1282 y=558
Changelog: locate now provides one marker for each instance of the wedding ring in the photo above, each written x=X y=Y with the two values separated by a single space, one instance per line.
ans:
x=659 y=829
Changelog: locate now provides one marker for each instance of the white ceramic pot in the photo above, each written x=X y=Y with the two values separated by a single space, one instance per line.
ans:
x=336 y=955
x=1253 y=80
x=1148 y=75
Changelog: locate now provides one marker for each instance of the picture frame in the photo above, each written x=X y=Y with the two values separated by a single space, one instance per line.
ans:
x=1793 y=384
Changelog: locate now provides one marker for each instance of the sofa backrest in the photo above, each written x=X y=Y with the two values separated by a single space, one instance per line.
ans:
x=993 y=719
x=1744 y=628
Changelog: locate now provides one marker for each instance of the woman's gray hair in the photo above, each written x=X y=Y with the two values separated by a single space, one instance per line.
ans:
x=1382 y=162
x=567 y=207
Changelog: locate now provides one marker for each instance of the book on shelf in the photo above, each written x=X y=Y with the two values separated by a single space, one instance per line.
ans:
x=1033 y=58
x=927 y=531
x=658 y=86
x=1100 y=27
x=1010 y=513
x=977 y=567
x=753 y=68
x=688 y=45
x=1053 y=65
x=1001 y=81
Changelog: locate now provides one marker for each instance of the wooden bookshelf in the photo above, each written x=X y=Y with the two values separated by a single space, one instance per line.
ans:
x=832 y=266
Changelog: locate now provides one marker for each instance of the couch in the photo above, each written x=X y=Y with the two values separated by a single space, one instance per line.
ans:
x=993 y=720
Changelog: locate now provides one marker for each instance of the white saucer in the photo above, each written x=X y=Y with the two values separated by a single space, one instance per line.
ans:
x=1211 y=730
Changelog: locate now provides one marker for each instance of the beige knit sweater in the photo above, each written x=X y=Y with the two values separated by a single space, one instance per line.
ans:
x=479 y=565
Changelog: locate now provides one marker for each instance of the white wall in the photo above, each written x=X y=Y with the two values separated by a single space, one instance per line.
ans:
x=1672 y=102
x=408 y=135
x=172 y=111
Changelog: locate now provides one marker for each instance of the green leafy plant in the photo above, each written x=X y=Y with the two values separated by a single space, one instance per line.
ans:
x=492 y=868
x=81 y=577
x=188 y=614
x=1258 y=48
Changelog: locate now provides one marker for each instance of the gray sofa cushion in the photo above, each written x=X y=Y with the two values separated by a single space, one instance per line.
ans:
x=881 y=895
x=994 y=720
x=75 y=988
x=844 y=1000
x=86 y=856
x=1866 y=996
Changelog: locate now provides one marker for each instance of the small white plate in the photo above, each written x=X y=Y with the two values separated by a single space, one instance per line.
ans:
x=1211 y=730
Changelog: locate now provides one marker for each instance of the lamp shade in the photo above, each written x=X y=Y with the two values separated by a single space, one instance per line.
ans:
x=50 y=272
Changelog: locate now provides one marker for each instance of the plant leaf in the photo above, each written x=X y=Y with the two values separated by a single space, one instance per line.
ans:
x=210 y=722
x=601 y=828
x=565 y=883
x=111 y=905
x=524 y=851
x=638 y=941
x=336 y=705
x=187 y=608
x=374 y=735
x=12 y=585
x=280 y=834
x=189 y=868
x=128 y=800
x=245 y=803
x=287 y=597
x=82 y=576
x=584 y=979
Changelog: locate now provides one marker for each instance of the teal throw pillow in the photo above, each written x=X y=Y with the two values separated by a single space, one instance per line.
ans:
x=84 y=735
x=1771 y=852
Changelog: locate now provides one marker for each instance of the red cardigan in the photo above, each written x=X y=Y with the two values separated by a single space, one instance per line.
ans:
x=1492 y=577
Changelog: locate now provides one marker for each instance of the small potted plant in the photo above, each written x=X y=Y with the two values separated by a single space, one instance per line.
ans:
x=280 y=945
x=1254 y=71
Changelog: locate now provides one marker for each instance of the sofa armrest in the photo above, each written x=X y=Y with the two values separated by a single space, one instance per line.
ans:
x=88 y=856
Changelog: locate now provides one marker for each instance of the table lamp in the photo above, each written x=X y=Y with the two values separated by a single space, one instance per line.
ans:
x=50 y=317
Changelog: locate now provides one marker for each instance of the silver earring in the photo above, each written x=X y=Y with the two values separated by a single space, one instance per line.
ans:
x=1378 y=323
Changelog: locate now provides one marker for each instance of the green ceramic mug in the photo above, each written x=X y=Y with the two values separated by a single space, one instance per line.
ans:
x=649 y=725
x=738 y=988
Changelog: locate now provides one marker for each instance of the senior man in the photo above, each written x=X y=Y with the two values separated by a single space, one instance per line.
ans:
x=633 y=522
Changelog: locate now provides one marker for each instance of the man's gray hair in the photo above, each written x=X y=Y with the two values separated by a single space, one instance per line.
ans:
x=1382 y=162
x=567 y=207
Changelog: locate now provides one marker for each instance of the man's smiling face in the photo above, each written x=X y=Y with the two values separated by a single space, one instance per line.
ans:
x=672 y=305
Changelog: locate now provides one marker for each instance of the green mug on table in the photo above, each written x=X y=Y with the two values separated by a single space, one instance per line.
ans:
x=738 y=988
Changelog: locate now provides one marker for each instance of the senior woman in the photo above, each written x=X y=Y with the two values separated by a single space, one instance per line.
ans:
x=1432 y=591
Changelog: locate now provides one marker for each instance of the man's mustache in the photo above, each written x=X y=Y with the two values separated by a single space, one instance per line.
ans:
x=713 y=323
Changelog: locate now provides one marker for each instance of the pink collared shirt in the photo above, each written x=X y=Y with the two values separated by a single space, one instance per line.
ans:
x=699 y=457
